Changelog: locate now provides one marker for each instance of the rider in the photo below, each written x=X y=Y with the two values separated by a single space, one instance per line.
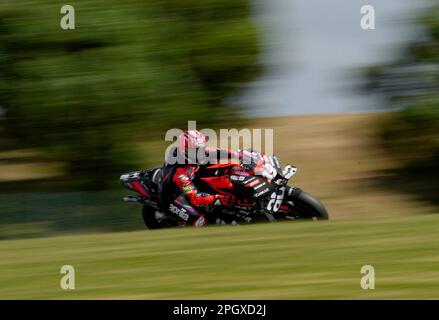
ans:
x=177 y=187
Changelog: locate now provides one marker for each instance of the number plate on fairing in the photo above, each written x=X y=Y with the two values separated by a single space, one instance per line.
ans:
x=276 y=199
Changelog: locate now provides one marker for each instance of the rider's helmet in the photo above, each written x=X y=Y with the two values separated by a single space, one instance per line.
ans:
x=192 y=145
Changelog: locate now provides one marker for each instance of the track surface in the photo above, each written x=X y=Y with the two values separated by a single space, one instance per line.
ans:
x=293 y=260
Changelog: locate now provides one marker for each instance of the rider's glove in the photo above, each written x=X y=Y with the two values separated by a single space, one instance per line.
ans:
x=248 y=160
x=225 y=200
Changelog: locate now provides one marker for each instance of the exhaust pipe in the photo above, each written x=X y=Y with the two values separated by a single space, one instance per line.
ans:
x=133 y=199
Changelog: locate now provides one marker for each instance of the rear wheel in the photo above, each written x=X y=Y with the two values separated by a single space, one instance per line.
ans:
x=154 y=219
x=305 y=206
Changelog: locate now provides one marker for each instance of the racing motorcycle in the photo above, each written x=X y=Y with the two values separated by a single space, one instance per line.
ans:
x=261 y=191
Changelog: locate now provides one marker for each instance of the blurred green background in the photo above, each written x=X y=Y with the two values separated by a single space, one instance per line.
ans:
x=82 y=106
x=130 y=70
x=410 y=85
x=79 y=107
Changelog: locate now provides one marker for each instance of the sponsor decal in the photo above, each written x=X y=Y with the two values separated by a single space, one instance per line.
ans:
x=237 y=178
x=250 y=180
x=244 y=210
x=253 y=183
x=260 y=186
x=245 y=218
x=261 y=192
x=180 y=212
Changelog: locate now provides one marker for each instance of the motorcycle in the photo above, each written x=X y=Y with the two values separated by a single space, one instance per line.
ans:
x=261 y=191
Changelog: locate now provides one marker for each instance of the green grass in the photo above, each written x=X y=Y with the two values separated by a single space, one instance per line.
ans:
x=303 y=260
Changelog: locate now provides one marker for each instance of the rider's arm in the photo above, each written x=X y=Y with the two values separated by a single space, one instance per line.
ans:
x=183 y=179
x=225 y=154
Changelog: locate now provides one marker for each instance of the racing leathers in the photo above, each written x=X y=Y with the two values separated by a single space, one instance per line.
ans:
x=182 y=194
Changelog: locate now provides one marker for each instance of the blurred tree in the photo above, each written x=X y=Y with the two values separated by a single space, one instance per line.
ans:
x=410 y=85
x=129 y=69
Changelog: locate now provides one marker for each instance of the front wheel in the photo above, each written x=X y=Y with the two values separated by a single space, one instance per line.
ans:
x=302 y=205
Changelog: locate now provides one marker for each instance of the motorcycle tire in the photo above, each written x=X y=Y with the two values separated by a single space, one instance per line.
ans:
x=154 y=219
x=305 y=206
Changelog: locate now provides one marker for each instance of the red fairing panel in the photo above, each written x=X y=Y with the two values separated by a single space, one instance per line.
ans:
x=139 y=188
x=222 y=182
